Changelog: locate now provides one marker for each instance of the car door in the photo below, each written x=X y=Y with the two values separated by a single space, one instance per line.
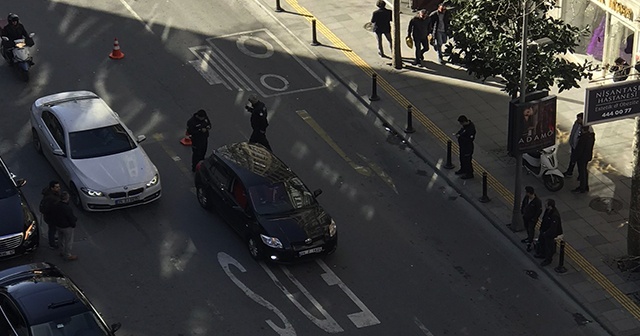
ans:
x=54 y=146
x=218 y=177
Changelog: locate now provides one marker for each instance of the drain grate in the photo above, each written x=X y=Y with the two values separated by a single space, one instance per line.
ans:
x=606 y=204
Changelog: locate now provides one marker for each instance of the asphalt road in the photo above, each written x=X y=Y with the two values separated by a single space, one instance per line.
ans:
x=413 y=258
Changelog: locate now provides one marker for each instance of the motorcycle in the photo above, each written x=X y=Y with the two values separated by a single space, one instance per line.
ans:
x=21 y=57
x=543 y=164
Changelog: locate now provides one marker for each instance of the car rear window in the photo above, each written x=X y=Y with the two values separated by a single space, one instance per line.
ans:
x=98 y=142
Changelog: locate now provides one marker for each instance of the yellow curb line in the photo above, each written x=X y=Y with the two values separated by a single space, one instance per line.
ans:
x=576 y=257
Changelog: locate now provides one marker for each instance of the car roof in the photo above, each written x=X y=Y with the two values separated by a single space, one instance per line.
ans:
x=254 y=164
x=42 y=292
x=79 y=110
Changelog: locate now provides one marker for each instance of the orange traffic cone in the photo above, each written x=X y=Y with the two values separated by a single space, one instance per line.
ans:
x=116 y=53
x=186 y=140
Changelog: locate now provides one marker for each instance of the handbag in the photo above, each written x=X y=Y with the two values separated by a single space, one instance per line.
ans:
x=368 y=26
x=409 y=41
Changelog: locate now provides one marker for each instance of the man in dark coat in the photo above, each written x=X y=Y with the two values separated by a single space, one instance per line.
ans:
x=573 y=142
x=550 y=228
x=381 y=20
x=439 y=27
x=259 y=121
x=14 y=30
x=50 y=198
x=419 y=30
x=530 y=209
x=584 y=154
x=65 y=222
x=198 y=127
x=465 y=136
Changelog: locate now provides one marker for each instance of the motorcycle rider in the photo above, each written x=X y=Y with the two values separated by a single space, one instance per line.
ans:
x=14 y=30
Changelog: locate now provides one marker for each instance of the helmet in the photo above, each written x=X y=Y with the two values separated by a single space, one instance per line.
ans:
x=13 y=17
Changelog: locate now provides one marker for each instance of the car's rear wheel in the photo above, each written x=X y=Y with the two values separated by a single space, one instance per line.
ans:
x=203 y=195
x=75 y=196
x=36 y=140
x=254 y=248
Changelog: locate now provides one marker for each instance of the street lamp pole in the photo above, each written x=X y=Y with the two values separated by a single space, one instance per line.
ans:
x=516 y=218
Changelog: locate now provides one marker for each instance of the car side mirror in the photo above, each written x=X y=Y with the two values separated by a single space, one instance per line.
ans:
x=116 y=326
x=141 y=138
x=317 y=192
x=58 y=152
x=20 y=182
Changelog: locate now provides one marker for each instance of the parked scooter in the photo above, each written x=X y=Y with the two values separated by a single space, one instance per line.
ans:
x=21 y=57
x=543 y=163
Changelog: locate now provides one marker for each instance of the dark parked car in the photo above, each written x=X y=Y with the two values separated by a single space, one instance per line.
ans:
x=265 y=202
x=39 y=300
x=19 y=233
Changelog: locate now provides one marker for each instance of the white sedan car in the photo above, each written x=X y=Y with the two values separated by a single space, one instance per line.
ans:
x=94 y=153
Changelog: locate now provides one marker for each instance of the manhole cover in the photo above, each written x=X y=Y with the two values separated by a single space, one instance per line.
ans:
x=605 y=204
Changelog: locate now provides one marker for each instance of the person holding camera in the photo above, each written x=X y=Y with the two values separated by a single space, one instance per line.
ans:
x=259 y=121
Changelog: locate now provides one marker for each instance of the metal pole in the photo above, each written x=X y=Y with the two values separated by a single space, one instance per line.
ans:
x=313 y=33
x=449 y=164
x=278 y=8
x=484 y=198
x=516 y=219
x=409 y=128
x=561 y=268
x=397 y=47
x=374 y=88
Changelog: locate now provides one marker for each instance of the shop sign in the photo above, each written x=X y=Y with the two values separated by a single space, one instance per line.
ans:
x=532 y=125
x=619 y=8
x=612 y=102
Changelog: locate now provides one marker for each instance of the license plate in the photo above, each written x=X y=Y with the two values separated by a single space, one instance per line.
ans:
x=309 y=251
x=127 y=200
x=7 y=253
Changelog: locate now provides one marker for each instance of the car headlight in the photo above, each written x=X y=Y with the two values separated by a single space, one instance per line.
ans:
x=91 y=192
x=333 y=228
x=153 y=181
x=271 y=241
x=30 y=230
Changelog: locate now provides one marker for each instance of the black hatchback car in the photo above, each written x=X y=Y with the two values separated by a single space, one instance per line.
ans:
x=265 y=202
x=19 y=232
x=39 y=300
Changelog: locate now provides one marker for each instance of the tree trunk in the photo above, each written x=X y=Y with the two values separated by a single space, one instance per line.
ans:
x=633 y=231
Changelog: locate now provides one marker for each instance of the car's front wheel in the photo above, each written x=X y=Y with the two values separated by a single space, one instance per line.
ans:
x=36 y=140
x=203 y=196
x=254 y=248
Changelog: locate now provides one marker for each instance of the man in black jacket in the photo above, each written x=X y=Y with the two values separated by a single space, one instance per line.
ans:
x=381 y=20
x=465 y=136
x=530 y=209
x=50 y=199
x=439 y=28
x=65 y=221
x=259 y=121
x=550 y=228
x=419 y=30
x=584 y=154
x=198 y=127
x=14 y=30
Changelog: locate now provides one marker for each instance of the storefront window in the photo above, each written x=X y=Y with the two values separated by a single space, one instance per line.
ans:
x=583 y=13
x=619 y=41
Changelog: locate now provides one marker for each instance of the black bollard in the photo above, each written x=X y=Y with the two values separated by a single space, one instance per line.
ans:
x=409 y=128
x=374 y=88
x=449 y=164
x=561 y=268
x=313 y=33
x=484 y=198
x=278 y=8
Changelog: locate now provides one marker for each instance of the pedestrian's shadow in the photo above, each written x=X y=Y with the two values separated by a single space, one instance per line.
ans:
x=449 y=70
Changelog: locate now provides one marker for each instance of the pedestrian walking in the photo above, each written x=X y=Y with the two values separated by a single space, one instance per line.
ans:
x=550 y=229
x=419 y=30
x=573 y=142
x=259 y=121
x=439 y=21
x=465 y=136
x=65 y=222
x=584 y=154
x=530 y=209
x=50 y=198
x=198 y=127
x=381 y=20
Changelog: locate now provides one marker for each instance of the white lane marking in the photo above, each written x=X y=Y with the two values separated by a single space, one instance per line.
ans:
x=361 y=319
x=225 y=260
x=242 y=41
x=206 y=56
x=146 y=26
x=245 y=81
x=285 y=82
x=328 y=324
x=422 y=327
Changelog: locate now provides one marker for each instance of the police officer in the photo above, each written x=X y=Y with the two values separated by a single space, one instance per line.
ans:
x=259 y=121
x=198 y=129
x=465 y=136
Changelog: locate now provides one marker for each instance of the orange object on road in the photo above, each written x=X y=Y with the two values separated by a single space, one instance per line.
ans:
x=116 y=53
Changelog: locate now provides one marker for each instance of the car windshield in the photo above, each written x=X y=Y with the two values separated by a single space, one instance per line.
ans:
x=280 y=197
x=100 y=142
x=7 y=189
x=85 y=324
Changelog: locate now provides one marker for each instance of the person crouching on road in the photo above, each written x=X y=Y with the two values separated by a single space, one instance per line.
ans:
x=198 y=129
x=65 y=222
x=465 y=136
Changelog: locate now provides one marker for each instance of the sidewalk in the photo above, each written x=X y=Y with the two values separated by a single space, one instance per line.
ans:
x=440 y=93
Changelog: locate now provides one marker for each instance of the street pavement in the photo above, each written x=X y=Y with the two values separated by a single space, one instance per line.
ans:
x=595 y=223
